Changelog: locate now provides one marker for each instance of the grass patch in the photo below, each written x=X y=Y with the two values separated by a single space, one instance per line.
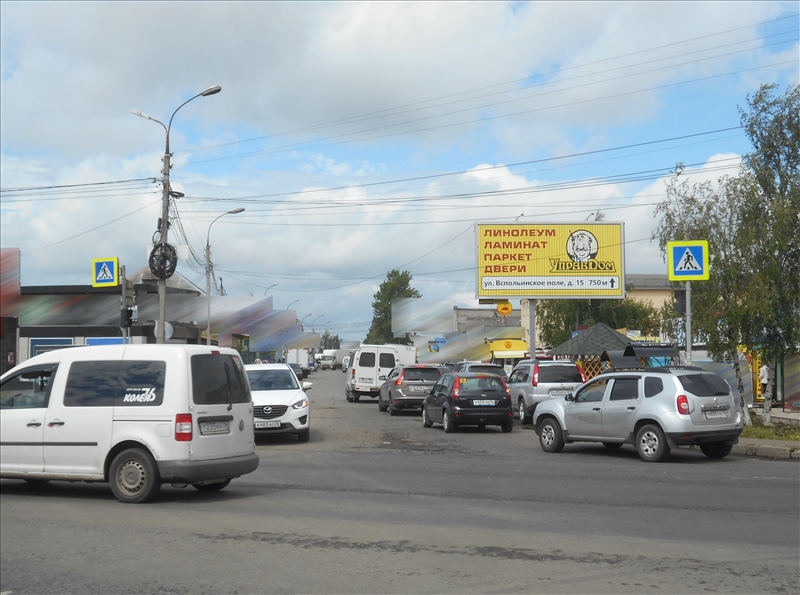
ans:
x=778 y=431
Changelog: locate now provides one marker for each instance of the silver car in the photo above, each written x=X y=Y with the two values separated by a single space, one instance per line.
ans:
x=406 y=387
x=655 y=409
x=535 y=380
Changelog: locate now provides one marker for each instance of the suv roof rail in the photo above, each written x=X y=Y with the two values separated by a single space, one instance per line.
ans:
x=657 y=369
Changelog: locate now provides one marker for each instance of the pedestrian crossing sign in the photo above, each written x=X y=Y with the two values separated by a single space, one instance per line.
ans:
x=688 y=261
x=105 y=272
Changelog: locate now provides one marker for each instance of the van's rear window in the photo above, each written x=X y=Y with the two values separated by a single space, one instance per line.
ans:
x=218 y=379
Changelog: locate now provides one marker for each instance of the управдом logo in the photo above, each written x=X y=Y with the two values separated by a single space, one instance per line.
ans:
x=582 y=246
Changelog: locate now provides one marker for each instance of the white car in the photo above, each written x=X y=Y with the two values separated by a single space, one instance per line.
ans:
x=280 y=404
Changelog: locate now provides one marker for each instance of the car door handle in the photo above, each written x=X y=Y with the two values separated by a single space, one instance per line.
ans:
x=595 y=408
x=34 y=424
x=631 y=408
x=53 y=424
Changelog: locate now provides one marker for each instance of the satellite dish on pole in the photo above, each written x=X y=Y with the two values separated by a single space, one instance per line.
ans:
x=168 y=330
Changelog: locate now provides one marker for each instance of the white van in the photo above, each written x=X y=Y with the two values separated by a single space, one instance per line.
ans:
x=370 y=362
x=135 y=416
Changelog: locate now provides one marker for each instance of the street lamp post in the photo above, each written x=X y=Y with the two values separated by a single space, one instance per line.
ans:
x=268 y=288
x=301 y=321
x=314 y=324
x=160 y=252
x=290 y=304
x=208 y=271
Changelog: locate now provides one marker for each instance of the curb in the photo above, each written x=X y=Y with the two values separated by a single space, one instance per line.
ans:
x=767 y=451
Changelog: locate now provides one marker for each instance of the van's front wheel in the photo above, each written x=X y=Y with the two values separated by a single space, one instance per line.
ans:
x=134 y=477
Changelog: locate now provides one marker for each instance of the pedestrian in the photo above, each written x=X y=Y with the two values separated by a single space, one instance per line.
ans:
x=763 y=377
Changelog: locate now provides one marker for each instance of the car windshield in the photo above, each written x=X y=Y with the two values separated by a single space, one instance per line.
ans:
x=705 y=385
x=431 y=374
x=272 y=380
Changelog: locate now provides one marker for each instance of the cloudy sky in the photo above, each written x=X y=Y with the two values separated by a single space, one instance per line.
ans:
x=362 y=137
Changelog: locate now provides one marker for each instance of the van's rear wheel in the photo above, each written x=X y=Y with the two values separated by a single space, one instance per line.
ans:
x=212 y=487
x=134 y=477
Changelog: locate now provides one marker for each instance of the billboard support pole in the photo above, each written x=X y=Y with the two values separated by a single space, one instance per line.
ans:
x=689 y=323
x=532 y=331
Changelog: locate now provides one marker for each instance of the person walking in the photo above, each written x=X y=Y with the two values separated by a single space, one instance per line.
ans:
x=763 y=377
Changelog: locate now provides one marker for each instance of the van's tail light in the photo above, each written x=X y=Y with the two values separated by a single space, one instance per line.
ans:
x=535 y=377
x=183 y=427
x=683 y=405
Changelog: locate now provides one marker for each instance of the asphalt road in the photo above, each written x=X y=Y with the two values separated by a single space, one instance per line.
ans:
x=379 y=504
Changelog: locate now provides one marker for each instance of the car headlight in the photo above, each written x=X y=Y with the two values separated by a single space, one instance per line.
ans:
x=300 y=404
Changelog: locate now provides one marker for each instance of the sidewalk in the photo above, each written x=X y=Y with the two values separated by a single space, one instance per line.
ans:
x=771 y=449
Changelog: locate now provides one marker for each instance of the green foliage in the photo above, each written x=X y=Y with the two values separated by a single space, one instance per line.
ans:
x=556 y=318
x=397 y=285
x=752 y=223
x=777 y=431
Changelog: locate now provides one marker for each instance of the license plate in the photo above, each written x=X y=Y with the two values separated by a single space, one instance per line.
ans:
x=262 y=425
x=483 y=402
x=717 y=413
x=558 y=393
x=419 y=389
x=214 y=427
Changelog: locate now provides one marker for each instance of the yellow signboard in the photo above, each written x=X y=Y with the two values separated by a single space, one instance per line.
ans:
x=551 y=260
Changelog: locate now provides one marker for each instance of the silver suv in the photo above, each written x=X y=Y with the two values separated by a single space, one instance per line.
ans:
x=533 y=381
x=406 y=386
x=655 y=409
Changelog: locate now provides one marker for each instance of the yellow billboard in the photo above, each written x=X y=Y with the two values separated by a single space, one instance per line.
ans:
x=550 y=260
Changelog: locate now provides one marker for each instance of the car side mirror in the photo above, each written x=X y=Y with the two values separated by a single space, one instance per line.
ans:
x=569 y=397
x=382 y=377
x=308 y=385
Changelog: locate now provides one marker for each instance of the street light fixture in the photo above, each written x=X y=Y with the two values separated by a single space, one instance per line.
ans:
x=301 y=321
x=208 y=271
x=163 y=258
x=268 y=288
x=290 y=304
x=314 y=324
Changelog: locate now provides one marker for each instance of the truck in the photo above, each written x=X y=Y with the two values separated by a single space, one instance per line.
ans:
x=301 y=357
x=332 y=358
x=369 y=363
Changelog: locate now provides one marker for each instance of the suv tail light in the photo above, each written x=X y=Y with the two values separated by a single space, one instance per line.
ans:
x=399 y=380
x=583 y=375
x=683 y=405
x=535 y=377
x=183 y=427
x=455 y=390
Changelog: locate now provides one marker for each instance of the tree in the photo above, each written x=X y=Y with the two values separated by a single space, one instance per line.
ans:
x=556 y=318
x=751 y=222
x=397 y=285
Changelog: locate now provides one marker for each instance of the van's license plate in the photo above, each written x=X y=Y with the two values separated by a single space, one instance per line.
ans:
x=262 y=425
x=214 y=427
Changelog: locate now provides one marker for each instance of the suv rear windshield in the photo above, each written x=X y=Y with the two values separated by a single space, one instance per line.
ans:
x=559 y=373
x=704 y=385
x=431 y=374
x=218 y=379
x=473 y=387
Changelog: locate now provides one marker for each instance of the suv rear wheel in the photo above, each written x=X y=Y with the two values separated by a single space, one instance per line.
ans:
x=524 y=418
x=651 y=444
x=447 y=423
x=716 y=450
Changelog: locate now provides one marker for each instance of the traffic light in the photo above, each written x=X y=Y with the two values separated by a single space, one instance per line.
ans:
x=129 y=294
x=126 y=317
x=680 y=301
